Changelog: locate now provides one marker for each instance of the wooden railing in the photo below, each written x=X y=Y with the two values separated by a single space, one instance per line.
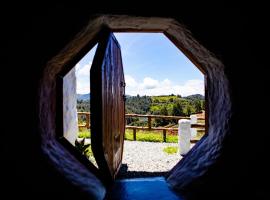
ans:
x=87 y=119
x=163 y=129
x=149 y=126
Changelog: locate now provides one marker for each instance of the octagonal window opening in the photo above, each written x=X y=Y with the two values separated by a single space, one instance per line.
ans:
x=158 y=94
x=76 y=106
x=50 y=105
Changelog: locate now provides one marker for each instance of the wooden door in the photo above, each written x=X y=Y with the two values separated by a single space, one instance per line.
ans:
x=107 y=87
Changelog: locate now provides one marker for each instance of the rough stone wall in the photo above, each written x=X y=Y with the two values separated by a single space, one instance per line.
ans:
x=70 y=121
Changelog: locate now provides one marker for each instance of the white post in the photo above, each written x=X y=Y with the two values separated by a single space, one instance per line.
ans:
x=184 y=136
x=193 y=120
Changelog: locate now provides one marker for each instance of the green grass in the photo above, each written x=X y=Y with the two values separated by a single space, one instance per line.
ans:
x=170 y=150
x=89 y=152
x=90 y=156
x=144 y=136
x=150 y=136
x=84 y=133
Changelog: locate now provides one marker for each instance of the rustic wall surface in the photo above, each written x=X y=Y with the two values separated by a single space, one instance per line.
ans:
x=235 y=35
x=70 y=121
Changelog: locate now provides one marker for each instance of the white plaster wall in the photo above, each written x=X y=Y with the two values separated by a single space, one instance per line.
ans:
x=70 y=107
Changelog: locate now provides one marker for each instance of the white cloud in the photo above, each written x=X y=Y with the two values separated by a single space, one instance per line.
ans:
x=83 y=87
x=130 y=81
x=149 y=83
x=83 y=71
x=83 y=78
x=150 y=86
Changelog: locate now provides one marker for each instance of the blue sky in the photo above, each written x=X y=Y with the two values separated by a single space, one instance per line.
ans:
x=152 y=66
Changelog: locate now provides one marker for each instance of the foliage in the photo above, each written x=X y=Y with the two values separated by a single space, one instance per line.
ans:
x=138 y=104
x=85 y=149
x=174 y=105
x=160 y=121
x=177 y=110
x=139 y=122
x=170 y=149
x=83 y=105
x=189 y=110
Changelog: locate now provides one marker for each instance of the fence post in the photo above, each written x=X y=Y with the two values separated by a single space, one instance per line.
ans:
x=193 y=120
x=87 y=120
x=164 y=135
x=134 y=134
x=149 y=122
x=184 y=136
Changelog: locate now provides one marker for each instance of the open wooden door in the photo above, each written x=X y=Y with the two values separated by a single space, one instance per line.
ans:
x=107 y=87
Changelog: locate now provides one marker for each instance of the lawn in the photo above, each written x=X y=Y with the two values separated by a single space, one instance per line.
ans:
x=84 y=133
x=170 y=150
x=150 y=136
x=145 y=136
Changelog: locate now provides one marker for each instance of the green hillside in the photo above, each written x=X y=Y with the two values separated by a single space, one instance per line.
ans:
x=174 y=105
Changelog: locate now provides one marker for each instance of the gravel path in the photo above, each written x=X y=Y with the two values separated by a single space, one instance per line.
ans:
x=142 y=159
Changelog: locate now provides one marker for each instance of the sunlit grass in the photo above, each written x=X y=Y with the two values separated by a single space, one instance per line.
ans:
x=170 y=150
x=150 y=136
x=84 y=133
x=144 y=136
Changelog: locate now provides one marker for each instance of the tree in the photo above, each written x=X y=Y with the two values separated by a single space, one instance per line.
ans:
x=160 y=121
x=163 y=110
x=198 y=106
x=188 y=110
x=177 y=110
x=203 y=104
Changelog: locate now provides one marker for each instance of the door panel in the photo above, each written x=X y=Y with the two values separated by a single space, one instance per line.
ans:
x=107 y=106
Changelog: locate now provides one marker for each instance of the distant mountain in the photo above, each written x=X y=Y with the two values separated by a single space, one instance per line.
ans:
x=83 y=97
x=194 y=97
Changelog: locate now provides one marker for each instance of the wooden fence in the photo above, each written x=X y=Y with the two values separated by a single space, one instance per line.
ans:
x=149 y=126
x=87 y=119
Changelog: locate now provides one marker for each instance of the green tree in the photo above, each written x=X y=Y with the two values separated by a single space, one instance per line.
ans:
x=163 y=110
x=159 y=121
x=177 y=110
x=203 y=104
x=188 y=110
x=197 y=106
